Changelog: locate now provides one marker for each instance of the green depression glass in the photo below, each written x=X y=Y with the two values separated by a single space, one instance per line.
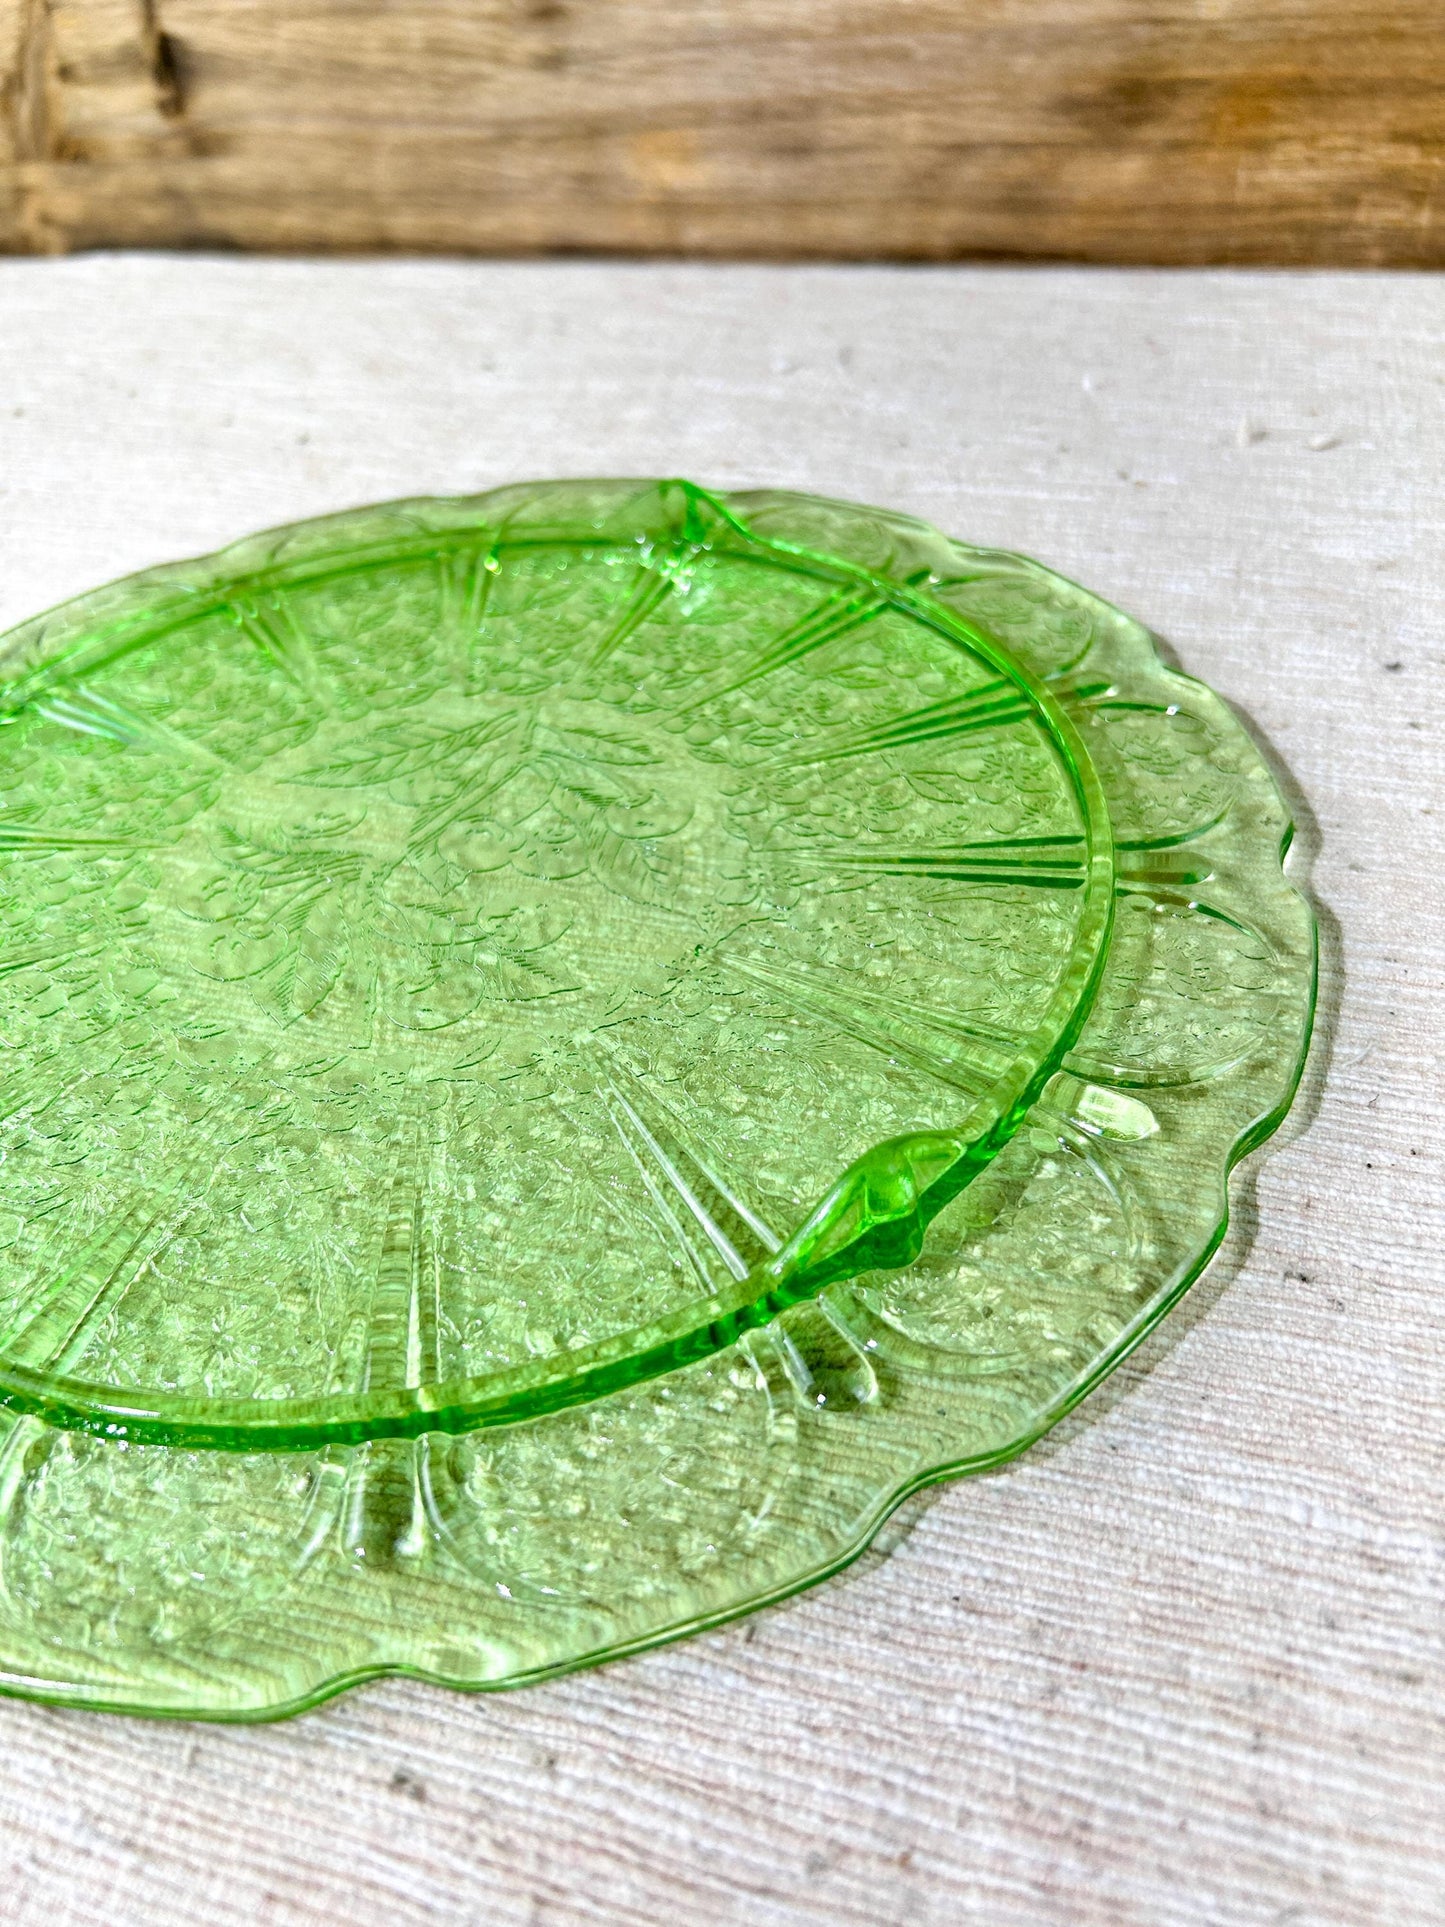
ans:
x=565 y=1050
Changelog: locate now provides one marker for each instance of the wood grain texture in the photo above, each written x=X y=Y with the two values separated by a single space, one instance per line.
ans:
x=1180 y=1666
x=1286 y=131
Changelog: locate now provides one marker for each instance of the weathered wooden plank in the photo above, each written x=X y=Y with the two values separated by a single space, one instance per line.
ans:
x=1111 y=130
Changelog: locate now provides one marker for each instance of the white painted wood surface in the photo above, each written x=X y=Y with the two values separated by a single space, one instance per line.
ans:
x=1184 y=1662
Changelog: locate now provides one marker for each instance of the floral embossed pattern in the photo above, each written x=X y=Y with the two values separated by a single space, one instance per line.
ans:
x=565 y=1049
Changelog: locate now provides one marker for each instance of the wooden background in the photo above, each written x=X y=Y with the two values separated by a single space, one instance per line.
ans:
x=1183 y=1664
x=1184 y=131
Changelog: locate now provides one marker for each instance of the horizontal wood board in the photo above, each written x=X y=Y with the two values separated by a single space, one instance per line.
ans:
x=1172 y=131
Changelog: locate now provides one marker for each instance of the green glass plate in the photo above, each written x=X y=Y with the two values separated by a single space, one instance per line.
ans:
x=844 y=1154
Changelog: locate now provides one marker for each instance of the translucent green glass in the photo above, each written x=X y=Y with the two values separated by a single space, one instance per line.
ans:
x=564 y=1050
